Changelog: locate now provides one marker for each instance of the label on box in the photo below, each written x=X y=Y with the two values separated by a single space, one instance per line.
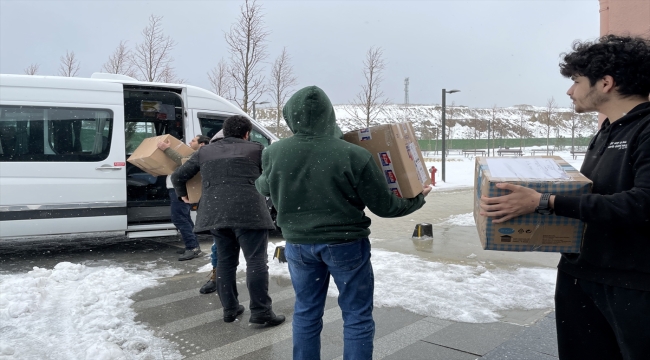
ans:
x=526 y=168
x=364 y=134
x=389 y=172
x=412 y=153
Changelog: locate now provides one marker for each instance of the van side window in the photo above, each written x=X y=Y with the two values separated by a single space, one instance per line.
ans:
x=31 y=133
x=258 y=137
x=211 y=124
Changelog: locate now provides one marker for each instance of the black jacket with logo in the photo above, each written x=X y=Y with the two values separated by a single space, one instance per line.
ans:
x=229 y=168
x=616 y=245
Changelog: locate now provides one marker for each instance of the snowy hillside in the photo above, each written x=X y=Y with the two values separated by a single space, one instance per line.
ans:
x=463 y=122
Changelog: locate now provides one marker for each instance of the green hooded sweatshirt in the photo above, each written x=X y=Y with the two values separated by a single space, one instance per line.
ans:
x=320 y=183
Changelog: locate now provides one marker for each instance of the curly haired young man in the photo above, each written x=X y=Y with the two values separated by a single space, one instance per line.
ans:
x=602 y=296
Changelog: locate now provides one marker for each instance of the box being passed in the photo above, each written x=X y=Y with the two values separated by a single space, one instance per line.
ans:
x=153 y=160
x=531 y=232
x=194 y=187
x=397 y=153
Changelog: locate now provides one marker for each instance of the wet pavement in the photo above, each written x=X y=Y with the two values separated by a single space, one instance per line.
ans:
x=177 y=311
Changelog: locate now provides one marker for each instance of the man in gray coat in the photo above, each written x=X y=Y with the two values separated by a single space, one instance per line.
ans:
x=236 y=215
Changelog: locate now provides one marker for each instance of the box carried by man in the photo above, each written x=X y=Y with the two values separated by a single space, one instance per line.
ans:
x=397 y=153
x=153 y=160
x=531 y=232
x=194 y=187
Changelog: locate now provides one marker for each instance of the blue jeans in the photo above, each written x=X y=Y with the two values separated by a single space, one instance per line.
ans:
x=214 y=253
x=349 y=264
x=182 y=220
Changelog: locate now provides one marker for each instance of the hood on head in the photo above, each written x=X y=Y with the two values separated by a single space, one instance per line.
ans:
x=217 y=136
x=310 y=112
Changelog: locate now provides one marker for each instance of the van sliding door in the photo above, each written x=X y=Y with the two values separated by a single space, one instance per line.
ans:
x=148 y=113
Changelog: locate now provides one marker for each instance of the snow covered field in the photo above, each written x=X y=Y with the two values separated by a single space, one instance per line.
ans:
x=76 y=311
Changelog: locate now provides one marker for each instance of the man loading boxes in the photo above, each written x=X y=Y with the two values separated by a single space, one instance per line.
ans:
x=160 y=156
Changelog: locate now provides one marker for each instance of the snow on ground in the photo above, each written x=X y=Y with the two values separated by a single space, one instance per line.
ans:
x=462 y=293
x=75 y=311
x=460 y=220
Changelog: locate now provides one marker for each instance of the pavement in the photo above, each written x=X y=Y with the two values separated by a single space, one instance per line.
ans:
x=175 y=309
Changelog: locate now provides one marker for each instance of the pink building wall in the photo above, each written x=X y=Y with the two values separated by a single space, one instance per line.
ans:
x=625 y=17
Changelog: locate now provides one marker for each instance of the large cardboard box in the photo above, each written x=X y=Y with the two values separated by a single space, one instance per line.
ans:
x=531 y=232
x=194 y=187
x=397 y=153
x=153 y=160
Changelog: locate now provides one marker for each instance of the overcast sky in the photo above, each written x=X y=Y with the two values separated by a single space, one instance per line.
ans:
x=496 y=52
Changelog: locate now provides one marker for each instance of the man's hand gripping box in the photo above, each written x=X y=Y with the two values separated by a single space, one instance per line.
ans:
x=531 y=232
x=152 y=160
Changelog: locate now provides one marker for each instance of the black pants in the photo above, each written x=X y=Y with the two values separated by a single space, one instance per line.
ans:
x=254 y=244
x=597 y=321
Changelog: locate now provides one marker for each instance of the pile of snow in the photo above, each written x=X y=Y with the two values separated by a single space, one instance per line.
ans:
x=455 y=292
x=75 y=311
x=460 y=220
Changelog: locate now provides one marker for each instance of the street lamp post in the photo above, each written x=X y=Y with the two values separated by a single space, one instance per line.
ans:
x=259 y=103
x=444 y=145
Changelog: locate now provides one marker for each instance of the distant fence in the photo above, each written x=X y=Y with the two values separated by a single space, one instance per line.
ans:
x=558 y=143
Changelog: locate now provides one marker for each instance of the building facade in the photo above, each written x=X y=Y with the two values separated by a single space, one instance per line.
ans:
x=625 y=17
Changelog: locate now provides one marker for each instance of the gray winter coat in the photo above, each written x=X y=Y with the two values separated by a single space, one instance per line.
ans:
x=229 y=168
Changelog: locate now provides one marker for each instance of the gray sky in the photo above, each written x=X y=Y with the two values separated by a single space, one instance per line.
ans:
x=496 y=52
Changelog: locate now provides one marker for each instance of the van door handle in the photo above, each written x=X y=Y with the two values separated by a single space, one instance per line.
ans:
x=109 y=167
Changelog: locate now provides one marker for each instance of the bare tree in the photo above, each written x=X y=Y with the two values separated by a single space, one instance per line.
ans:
x=220 y=79
x=152 y=57
x=69 y=65
x=549 y=119
x=282 y=80
x=119 y=62
x=32 y=69
x=370 y=100
x=247 y=47
x=522 y=123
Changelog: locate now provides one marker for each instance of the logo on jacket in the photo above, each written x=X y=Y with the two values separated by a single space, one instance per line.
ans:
x=618 y=145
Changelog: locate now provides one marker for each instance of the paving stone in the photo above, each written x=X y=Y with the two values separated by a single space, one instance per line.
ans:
x=477 y=339
x=422 y=350
x=536 y=342
x=516 y=353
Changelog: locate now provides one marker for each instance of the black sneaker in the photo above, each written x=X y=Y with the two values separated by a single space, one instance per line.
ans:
x=268 y=318
x=211 y=285
x=180 y=251
x=190 y=254
x=231 y=317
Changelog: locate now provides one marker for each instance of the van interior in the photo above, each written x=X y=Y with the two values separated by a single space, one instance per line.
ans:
x=149 y=112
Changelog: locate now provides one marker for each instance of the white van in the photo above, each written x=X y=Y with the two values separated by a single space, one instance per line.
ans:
x=64 y=144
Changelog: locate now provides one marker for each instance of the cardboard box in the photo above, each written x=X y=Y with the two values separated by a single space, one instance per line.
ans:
x=397 y=153
x=153 y=160
x=531 y=232
x=194 y=187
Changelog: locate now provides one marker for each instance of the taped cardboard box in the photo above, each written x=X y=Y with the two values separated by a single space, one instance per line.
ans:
x=194 y=187
x=397 y=153
x=531 y=232
x=153 y=160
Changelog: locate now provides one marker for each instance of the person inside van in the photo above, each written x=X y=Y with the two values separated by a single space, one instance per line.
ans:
x=180 y=211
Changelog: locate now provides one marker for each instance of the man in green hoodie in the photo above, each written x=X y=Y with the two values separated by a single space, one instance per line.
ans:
x=320 y=185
